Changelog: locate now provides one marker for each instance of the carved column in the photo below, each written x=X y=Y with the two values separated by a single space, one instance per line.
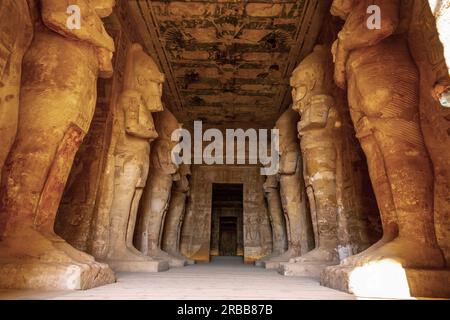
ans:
x=175 y=215
x=141 y=95
x=58 y=96
x=376 y=68
x=317 y=131
x=292 y=190
x=155 y=202
x=277 y=221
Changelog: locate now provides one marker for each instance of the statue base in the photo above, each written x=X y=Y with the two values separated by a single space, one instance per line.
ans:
x=303 y=269
x=173 y=261
x=387 y=279
x=138 y=266
x=52 y=275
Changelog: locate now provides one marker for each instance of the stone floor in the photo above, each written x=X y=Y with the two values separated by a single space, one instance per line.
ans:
x=224 y=278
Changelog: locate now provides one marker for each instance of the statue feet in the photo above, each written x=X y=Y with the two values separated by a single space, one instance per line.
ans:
x=127 y=259
x=362 y=256
x=317 y=254
x=274 y=262
x=173 y=261
x=310 y=264
x=182 y=257
x=32 y=260
x=407 y=253
x=400 y=268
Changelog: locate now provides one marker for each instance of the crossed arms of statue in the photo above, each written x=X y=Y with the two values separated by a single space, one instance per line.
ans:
x=356 y=34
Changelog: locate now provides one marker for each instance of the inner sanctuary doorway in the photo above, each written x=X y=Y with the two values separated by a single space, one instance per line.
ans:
x=218 y=194
x=226 y=221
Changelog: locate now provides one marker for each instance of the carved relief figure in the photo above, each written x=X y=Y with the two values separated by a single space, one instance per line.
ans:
x=383 y=85
x=16 y=33
x=140 y=97
x=157 y=192
x=175 y=215
x=317 y=131
x=58 y=97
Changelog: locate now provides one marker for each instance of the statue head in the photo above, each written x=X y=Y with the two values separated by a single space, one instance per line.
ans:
x=308 y=79
x=287 y=126
x=161 y=154
x=342 y=8
x=143 y=75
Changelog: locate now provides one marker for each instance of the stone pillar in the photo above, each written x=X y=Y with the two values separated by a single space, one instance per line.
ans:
x=317 y=131
x=376 y=68
x=141 y=95
x=155 y=202
x=292 y=190
x=58 y=97
x=277 y=221
x=175 y=215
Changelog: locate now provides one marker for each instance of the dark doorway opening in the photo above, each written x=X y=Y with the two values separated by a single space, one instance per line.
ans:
x=227 y=220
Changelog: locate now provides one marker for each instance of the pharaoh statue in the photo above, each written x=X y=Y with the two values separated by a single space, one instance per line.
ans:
x=175 y=215
x=155 y=202
x=140 y=97
x=16 y=32
x=292 y=190
x=277 y=221
x=57 y=102
x=382 y=81
x=317 y=131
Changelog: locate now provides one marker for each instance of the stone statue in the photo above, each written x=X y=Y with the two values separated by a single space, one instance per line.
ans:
x=140 y=97
x=57 y=102
x=317 y=130
x=277 y=221
x=175 y=215
x=292 y=190
x=155 y=201
x=16 y=32
x=383 y=87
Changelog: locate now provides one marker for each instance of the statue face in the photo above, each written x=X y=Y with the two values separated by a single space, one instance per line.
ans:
x=342 y=8
x=145 y=78
x=151 y=93
x=302 y=85
x=287 y=126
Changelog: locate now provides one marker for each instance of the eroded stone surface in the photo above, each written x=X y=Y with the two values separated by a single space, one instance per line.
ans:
x=15 y=36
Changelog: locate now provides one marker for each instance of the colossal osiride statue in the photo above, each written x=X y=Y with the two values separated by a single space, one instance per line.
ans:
x=16 y=32
x=317 y=131
x=277 y=221
x=292 y=191
x=382 y=81
x=155 y=202
x=57 y=102
x=175 y=215
x=140 y=97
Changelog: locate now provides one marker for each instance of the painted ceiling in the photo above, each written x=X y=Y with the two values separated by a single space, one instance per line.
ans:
x=228 y=63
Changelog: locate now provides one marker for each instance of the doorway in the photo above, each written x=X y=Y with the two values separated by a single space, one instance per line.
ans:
x=227 y=220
